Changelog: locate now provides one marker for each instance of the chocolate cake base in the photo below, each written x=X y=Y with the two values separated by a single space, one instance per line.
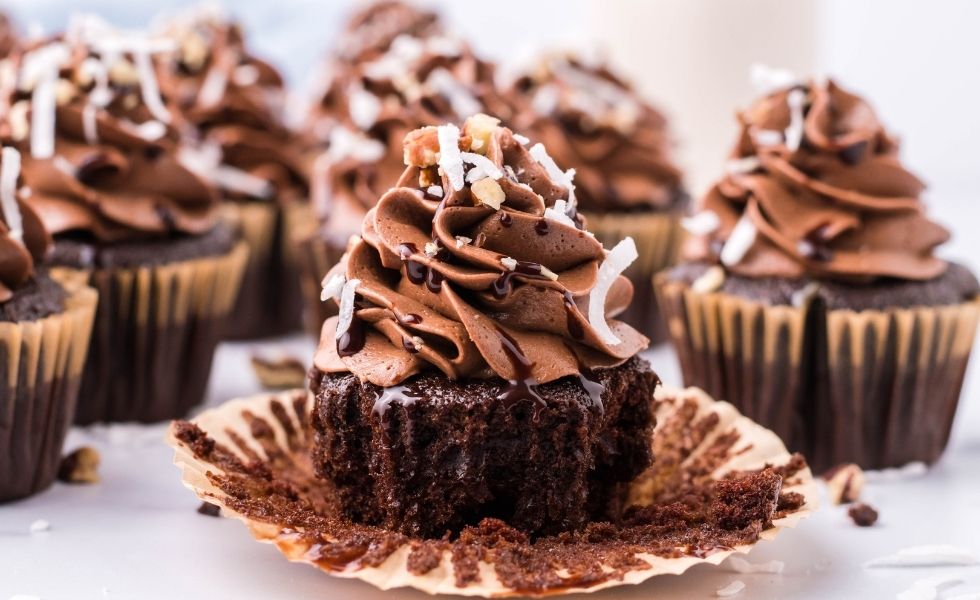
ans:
x=40 y=297
x=80 y=252
x=865 y=373
x=433 y=456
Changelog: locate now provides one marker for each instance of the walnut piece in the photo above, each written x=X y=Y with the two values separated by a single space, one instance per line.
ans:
x=81 y=466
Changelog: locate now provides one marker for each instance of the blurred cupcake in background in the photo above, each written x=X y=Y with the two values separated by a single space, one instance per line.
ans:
x=626 y=183
x=100 y=153
x=45 y=323
x=813 y=299
x=364 y=112
x=235 y=103
x=8 y=35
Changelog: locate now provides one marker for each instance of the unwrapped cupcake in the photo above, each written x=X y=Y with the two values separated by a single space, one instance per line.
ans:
x=422 y=77
x=812 y=298
x=626 y=182
x=477 y=368
x=100 y=156
x=236 y=104
x=45 y=323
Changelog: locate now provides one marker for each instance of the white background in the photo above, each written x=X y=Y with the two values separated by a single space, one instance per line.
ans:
x=919 y=62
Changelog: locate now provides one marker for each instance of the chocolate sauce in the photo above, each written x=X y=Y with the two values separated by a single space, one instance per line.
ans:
x=396 y=394
x=417 y=272
x=542 y=227
x=571 y=312
x=505 y=219
x=352 y=341
x=503 y=285
x=433 y=281
x=523 y=384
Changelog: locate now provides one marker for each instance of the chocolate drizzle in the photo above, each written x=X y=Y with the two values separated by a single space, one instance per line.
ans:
x=521 y=387
x=571 y=310
x=503 y=285
x=542 y=227
x=352 y=341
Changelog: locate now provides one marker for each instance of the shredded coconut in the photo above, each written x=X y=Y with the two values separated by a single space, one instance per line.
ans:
x=345 y=144
x=364 y=107
x=431 y=249
x=941 y=555
x=90 y=123
x=40 y=67
x=509 y=263
x=481 y=163
x=521 y=139
x=9 y=172
x=928 y=588
x=434 y=190
x=559 y=213
x=40 y=526
x=767 y=137
x=794 y=133
x=331 y=286
x=740 y=565
x=564 y=178
x=450 y=158
x=347 y=295
x=766 y=79
x=739 y=242
x=462 y=240
x=731 y=589
x=702 y=223
x=617 y=260
x=460 y=99
x=245 y=75
x=740 y=166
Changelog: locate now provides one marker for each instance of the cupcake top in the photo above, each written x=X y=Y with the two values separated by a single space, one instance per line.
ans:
x=23 y=239
x=477 y=265
x=236 y=103
x=372 y=30
x=99 y=142
x=368 y=108
x=8 y=35
x=815 y=189
x=593 y=121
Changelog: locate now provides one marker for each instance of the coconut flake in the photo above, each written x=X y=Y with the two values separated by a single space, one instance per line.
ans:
x=431 y=249
x=462 y=240
x=332 y=286
x=740 y=565
x=546 y=272
x=741 y=166
x=347 y=295
x=460 y=99
x=766 y=79
x=617 y=261
x=928 y=588
x=237 y=180
x=731 y=589
x=345 y=144
x=434 y=190
x=40 y=525
x=565 y=178
x=767 y=137
x=484 y=164
x=521 y=139
x=559 y=213
x=909 y=471
x=150 y=131
x=90 y=123
x=703 y=223
x=149 y=89
x=450 y=158
x=938 y=555
x=739 y=242
x=364 y=107
x=41 y=67
x=245 y=75
x=509 y=263
x=794 y=133
x=214 y=86
x=545 y=100
x=9 y=172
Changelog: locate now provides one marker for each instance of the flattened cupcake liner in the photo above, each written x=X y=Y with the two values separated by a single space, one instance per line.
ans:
x=316 y=254
x=874 y=387
x=252 y=458
x=154 y=337
x=42 y=364
x=269 y=303
x=658 y=237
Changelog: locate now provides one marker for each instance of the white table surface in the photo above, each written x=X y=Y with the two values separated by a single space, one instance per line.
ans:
x=137 y=534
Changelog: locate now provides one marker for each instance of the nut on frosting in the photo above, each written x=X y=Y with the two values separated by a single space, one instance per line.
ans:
x=511 y=300
x=815 y=188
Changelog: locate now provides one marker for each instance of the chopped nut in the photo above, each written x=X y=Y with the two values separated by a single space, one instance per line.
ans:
x=481 y=128
x=429 y=177
x=81 y=466
x=488 y=192
x=123 y=73
x=845 y=483
x=418 y=341
x=431 y=249
x=64 y=91
x=863 y=515
x=709 y=281
x=422 y=148
x=130 y=102
x=20 y=126
x=509 y=263
x=283 y=373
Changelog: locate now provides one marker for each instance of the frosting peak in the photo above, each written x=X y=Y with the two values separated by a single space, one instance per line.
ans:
x=815 y=188
x=476 y=264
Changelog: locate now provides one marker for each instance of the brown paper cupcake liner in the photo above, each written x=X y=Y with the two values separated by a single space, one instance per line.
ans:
x=42 y=365
x=658 y=238
x=874 y=387
x=270 y=302
x=154 y=337
x=316 y=254
x=252 y=458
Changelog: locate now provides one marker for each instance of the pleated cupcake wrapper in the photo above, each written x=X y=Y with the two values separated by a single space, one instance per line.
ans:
x=875 y=387
x=315 y=255
x=270 y=302
x=42 y=364
x=658 y=238
x=695 y=437
x=154 y=336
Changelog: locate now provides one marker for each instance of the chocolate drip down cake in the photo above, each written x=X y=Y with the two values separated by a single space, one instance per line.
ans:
x=476 y=368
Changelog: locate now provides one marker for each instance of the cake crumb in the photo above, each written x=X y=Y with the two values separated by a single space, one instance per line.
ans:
x=209 y=510
x=863 y=515
x=282 y=373
x=845 y=483
x=80 y=466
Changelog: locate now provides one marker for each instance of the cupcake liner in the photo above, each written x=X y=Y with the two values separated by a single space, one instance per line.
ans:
x=875 y=387
x=154 y=337
x=252 y=458
x=42 y=363
x=269 y=303
x=658 y=236
x=316 y=253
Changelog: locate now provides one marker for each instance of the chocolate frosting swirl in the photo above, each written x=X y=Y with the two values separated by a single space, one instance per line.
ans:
x=371 y=30
x=23 y=239
x=236 y=102
x=110 y=168
x=817 y=189
x=448 y=281
x=593 y=121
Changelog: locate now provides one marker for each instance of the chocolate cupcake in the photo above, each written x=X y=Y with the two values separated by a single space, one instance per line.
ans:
x=812 y=298
x=476 y=368
x=364 y=112
x=100 y=149
x=45 y=323
x=626 y=182
x=8 y=35
x=235 y=103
